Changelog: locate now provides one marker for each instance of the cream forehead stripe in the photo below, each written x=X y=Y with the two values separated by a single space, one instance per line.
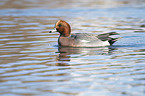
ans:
x=57 y=23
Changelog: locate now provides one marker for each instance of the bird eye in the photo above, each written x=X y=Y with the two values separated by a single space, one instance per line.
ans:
x=59 y=25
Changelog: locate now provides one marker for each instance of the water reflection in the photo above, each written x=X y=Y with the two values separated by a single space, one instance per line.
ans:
x=65 y=53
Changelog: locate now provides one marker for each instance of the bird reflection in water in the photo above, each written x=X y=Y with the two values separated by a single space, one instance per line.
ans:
x=65 y=53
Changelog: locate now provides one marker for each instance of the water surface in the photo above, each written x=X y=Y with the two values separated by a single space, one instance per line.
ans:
x=32 y=64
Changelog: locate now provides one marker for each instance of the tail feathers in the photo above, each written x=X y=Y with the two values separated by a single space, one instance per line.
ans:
x=109 y=34
x=113 y=40
x=107 y=37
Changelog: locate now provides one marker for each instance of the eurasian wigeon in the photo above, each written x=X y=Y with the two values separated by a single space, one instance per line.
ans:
x=81 y=39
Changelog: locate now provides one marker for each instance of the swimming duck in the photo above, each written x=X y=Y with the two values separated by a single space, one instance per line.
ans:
x=81 y=39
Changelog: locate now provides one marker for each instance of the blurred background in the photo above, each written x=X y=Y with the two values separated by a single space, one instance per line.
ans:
x=32 y=63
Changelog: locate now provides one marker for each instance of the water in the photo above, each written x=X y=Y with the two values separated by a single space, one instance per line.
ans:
x=31 y=63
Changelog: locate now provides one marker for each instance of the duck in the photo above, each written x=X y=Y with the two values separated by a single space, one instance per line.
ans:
x=81 y=39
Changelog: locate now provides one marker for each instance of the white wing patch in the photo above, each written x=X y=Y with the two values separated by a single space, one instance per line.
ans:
x=84 y=41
